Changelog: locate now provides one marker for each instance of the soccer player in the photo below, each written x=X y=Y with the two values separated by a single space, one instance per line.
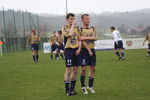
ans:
x=60 y=40
x=147 y=39
x=72 y=50
x=118 y=43
x=34 y=40
x=52 y=41
x=88 y=54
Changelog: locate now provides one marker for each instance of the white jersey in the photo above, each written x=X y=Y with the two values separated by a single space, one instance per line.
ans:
x=117 y=36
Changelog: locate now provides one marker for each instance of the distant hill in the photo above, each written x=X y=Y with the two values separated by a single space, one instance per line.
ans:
x=49 y=22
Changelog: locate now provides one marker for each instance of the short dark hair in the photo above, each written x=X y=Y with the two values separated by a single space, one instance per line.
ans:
x=60 y=32
x=33 y=31
x=84 y=15
x=112 y=27
x=70 y=15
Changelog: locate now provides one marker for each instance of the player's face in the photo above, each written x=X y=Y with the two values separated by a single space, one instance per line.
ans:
x=70 y=20
x=33 y=33
x=86 y=20
x=111 y=30
x=54 y=33
x=60 y=33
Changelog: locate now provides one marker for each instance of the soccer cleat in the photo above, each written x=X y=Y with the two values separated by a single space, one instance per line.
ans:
x=119 y=58
x=57 y=58
x=73 y=92
x=90 y=89
x=123 y=58
x=36 y=61
x=68 y=94
x=84 y=90
x=147 y=55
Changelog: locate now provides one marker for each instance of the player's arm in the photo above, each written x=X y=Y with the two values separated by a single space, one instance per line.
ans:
x=63 y=39
x=79 y=43
x=39 y=39
x=65 y=32
x=145 y=40
x=79 y=48
x=57 y=40
x=50 y=41
x=28 y=41
x=87 y=47
x=93 y=38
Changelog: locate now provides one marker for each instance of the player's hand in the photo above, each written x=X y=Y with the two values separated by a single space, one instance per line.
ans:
x=90 y=53
x=143 y=44
x=117 y=43
x=27 y=46
x=93 y=38
x=50 y=44
x=77 y=52
x=74 y=23
x=82 y=38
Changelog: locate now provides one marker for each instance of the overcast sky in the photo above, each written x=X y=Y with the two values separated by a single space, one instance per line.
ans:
x=75 y=6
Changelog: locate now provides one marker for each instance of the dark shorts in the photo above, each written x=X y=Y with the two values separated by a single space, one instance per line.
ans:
x=54 y=47
x=86 y=59
x=61 y=47
x=70 y=58
x=35 y=47
x=148 y=46
x=119 y=46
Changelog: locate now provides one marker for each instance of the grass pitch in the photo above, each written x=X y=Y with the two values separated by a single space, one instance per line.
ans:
x=21 y=79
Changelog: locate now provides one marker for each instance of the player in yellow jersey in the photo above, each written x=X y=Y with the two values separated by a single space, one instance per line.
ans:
x=72 y=50
x=34 y=40
x=148 y=39
x=52 y=41
x=60 y=42
x=88 y=54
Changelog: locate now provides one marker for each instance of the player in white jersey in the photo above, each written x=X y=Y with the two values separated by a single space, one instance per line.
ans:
x=118 y=43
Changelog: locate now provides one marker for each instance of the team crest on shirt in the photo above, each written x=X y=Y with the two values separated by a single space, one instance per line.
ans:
x=89 y=34
x=74 y=40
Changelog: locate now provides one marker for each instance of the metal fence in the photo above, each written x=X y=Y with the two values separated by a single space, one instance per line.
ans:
x=16 y=44
x=15 y=27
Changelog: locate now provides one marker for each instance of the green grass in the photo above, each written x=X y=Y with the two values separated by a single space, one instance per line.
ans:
x=21 y=79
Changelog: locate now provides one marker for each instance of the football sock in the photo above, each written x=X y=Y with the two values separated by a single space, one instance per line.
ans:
x=33 y=58
x=72 y=85
x=91 y=81
x=37 y=58
x=67 y=83
x=56 y=56
x=82 y=80
x=117 y=53
x=149 y=52
x=122 y=54
x=51 y=56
